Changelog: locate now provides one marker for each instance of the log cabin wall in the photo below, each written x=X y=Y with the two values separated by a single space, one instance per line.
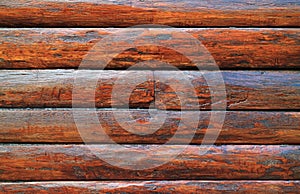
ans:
x=255 y=44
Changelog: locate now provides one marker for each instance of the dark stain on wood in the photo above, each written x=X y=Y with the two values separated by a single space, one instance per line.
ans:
x=244 y=89
x=40 y=89
x=77 y=162
x=53 y=88
x=180 y=13
x=65 y=48
x=214 y=187
x=58 y=126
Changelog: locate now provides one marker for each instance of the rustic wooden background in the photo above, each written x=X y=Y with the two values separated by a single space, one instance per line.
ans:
x=255 y=43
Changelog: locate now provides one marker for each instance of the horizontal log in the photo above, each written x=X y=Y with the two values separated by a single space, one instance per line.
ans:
x=78 y=162
x=214 y=187
x=252 y=48
x=58 y=126
x=244 y=90
x=127 y=13
x=54 y=88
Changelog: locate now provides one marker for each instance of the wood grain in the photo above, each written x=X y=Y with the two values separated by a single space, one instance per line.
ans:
x=77 y=162
x=58 y=126
x=251 y=48
x=214 y=187
x=263 y=106
x=54 y=88
x=105 y=13
x=244 y=90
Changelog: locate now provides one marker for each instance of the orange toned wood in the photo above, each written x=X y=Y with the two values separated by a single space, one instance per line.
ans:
x=252 y=48
x=127 y=13
x=77 y=162
x=58 y=126
x=244 y=90
x=214 y=187
x=54 y=88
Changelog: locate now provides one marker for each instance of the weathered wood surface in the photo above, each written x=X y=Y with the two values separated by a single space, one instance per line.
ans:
x=58 y=126
x=214 y=187
x=244 y=90
x=53 y=88
x=77 y=162
x=252 y=48
x=92 y=13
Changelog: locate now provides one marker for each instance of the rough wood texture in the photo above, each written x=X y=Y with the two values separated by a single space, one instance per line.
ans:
x=77 y=162
x=261 y=167
x=53 y=88
x=58 y=126
x=245 y=90
x=169 y=12
x=214 y=187
x=231 y=48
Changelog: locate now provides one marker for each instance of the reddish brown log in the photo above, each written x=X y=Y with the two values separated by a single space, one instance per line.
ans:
x=231 y=49
x=127 y=13
x=244 y=90
x=58 y=126
x=214 y=187
x=77 y=162
x=53 y=88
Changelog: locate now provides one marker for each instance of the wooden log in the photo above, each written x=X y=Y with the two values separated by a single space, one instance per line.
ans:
x=251 y=48
x=244 y=90
x=54 y=88
x=58 y=126
x=77 y=162
x=214 y=187
x=91 y=13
